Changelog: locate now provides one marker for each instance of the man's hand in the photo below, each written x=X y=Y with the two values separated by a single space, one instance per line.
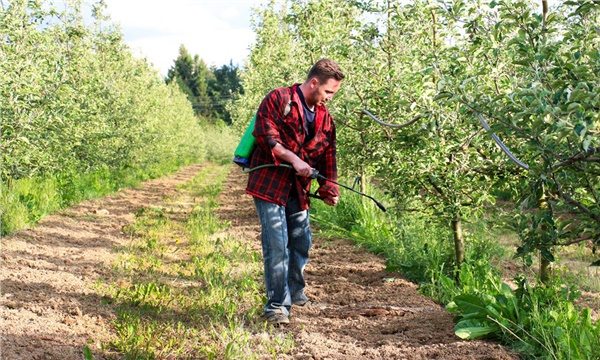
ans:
x=302 y=168
x=331 y=200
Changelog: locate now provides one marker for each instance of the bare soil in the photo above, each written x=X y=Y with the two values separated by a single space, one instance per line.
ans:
x=50 y=309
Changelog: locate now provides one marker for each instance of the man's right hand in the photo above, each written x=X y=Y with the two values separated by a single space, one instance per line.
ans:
x=331 y=200
x=302 y=168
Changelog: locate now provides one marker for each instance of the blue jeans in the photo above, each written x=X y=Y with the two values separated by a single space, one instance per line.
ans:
x=286 y=239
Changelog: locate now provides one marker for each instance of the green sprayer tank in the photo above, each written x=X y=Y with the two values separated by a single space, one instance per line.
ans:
x=244 y=150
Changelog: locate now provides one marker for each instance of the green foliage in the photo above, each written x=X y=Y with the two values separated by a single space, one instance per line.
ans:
x=220 y=142
x=271 y=63
x=223 y=86
x=80 y=115
x=413 y=245
x=446 y=65
x=541 y=322
x=209 y=90
x=26 y=201
x=537 y=86
x=192 y=76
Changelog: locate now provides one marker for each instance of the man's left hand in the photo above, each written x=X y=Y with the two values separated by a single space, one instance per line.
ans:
x=331 y=200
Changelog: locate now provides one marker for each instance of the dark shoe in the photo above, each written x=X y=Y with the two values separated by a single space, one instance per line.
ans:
x=277 y=319
x=310 y=304
x=299 y=299
x=300 y=302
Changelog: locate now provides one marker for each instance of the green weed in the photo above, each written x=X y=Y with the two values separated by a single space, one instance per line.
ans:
x=220 y=141
x=195 y=292
x=26 y=201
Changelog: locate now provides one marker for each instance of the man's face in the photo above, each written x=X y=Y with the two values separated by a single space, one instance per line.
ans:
x=323 y=92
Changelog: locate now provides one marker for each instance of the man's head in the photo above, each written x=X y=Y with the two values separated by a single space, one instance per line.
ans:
x=322 y=82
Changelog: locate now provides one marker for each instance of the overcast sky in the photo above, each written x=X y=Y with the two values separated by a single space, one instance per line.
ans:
x=216 y=30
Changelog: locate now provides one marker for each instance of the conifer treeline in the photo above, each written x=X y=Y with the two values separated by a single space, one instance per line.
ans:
x=208 y=89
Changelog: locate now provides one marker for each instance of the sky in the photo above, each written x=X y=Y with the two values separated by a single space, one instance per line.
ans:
x=216 y=30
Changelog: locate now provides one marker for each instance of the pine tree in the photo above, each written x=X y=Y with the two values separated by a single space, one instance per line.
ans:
x=222 y=87
x=192 y=76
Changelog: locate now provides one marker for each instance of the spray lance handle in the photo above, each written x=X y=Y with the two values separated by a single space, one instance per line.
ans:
x=314 y=174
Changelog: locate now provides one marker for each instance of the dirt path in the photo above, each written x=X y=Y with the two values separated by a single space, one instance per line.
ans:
x=49 y=308
x=369 y=313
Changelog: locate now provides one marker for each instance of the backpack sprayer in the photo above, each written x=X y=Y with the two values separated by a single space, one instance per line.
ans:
x=246 y=147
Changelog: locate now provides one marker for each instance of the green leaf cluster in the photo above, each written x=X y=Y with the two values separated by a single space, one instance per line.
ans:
x=530 y=75
x=543 y=322
x=75 y=99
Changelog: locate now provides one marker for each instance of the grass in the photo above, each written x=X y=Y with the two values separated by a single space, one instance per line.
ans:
x=24 y=202
x=221 y=142
x=574 y=263
x=184 y=288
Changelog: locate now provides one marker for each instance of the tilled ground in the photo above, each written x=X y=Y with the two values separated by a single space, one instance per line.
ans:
x=365 y=312
x=50 y=310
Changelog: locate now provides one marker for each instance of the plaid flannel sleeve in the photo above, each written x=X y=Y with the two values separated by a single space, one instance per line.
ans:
x=328 y=168
x=268 y=123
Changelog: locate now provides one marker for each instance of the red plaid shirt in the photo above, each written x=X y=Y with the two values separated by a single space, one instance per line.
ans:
x=274 y=184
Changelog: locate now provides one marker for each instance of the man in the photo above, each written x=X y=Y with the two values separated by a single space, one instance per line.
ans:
x=294 y=127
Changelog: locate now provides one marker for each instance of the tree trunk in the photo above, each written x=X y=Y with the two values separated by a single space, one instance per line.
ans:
x=545 y=9
x=545 y=269
x=363 y=183
x=459 y=244
x=434 y=37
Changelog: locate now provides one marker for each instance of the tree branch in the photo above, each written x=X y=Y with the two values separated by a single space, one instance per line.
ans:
x=573 y=242
x=574 y=202
x=580 y=157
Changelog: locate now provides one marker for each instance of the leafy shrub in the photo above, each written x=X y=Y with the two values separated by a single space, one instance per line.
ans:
x=82 y=116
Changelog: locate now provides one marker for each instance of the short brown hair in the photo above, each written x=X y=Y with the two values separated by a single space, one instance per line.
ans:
x=324 y=70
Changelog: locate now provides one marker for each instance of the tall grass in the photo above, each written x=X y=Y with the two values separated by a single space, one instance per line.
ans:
x=26 y=201
x=541 y=322
x=185 y=288
x=220 y=142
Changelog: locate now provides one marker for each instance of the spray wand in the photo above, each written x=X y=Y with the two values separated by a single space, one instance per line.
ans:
x=315 y=175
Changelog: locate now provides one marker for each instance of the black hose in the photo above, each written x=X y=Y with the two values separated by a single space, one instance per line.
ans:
x=315 y=175
x=500 y=143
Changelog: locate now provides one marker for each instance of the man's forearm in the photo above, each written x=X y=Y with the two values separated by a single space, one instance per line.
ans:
x=283 y=154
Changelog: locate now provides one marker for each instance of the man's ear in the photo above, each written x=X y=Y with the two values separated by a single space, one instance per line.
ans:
x=314 y=83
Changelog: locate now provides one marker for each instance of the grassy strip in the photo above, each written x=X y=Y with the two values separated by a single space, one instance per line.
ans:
x=26 y=201
x=542 y=322
x=184 y=288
